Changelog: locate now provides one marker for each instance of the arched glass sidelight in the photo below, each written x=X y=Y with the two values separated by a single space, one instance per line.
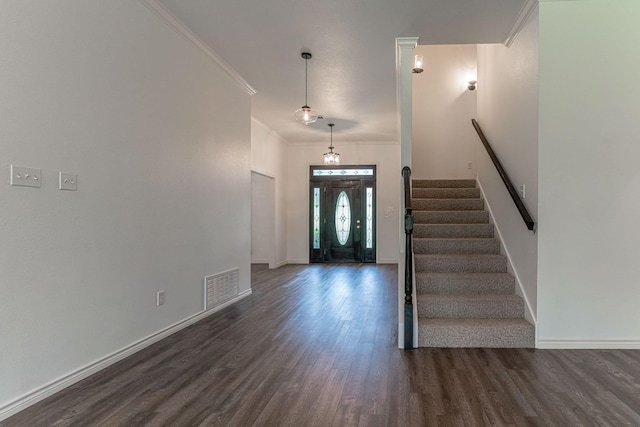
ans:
x=343 y=218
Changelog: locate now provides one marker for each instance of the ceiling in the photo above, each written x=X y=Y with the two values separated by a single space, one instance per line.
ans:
x=352 y=78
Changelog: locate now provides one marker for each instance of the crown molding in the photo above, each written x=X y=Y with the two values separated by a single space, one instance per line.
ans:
x=270 y=131
x=179 y=27
x=520 y=21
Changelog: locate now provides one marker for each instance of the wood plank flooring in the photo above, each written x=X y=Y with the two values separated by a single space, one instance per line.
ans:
x=316 y=346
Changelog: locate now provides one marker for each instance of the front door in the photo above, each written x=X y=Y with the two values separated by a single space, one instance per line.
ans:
x=343 y=217
x=342 y=214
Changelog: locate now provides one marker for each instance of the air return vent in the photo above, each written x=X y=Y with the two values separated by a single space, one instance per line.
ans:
x=220 y=288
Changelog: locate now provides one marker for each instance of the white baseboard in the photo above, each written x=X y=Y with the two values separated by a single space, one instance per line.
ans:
x=297 y=261
x=387 y=261
x=49 y=389
x=588 y=344
x=529 y=314
x=259 y=261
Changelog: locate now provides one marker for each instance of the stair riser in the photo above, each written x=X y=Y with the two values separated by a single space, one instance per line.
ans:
x=499 y=285
x=453 y=231
x=456 y=246
x=451 y=217
x=455 y=308
x=453 y=264
x=447 y=204
x=443 y=183
x=446 y=193
x=518 y=336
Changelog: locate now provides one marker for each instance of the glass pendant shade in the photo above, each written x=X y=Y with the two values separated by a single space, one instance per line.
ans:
x=331 y=158
x=306 y=115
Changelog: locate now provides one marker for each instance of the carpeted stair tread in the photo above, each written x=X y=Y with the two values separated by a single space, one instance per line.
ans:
x=453 y=230
x=444 y=183
x=464 y=295
x=447 y=204
x=424 y=245
x=446 y=193
x=450 y=217
x=488 y=333
x=477 y=306
x=461 y=263
x=465 y=283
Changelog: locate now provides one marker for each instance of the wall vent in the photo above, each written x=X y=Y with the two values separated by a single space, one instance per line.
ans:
x=220 y=288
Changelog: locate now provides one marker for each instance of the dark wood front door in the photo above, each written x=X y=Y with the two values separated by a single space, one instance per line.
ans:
x=342 y=217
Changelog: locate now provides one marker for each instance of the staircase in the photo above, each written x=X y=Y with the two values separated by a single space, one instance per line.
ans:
x=465 y=295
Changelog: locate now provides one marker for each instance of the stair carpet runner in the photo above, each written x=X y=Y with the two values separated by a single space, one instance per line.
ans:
x=465 y=296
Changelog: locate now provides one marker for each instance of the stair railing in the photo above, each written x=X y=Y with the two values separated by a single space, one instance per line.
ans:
x=408 y=263
x=505 y=178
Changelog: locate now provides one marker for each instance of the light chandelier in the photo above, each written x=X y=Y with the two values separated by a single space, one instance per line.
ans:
x=305 y=114
x=331 y=158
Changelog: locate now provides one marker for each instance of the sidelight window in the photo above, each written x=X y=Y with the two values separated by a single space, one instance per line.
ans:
x=316 y=218
x=369 y=219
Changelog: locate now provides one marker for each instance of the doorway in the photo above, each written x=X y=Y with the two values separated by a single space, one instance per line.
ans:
x=342 y=214
x=263 y=238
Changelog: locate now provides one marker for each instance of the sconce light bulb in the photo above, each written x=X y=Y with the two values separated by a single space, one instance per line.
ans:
x=417 y=64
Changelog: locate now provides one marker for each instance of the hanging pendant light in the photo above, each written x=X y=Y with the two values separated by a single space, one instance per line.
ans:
x=331 y=158
x=305 y=114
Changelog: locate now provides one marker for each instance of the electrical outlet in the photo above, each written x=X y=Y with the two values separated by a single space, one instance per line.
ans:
x=160 y=298
x=470 y=165
x=68 y=181
x=522 y=191
x=25 y=177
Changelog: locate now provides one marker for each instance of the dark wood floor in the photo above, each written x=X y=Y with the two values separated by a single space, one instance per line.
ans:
x=316 y=346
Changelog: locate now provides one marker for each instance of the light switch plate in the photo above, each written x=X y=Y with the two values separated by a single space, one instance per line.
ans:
x=25 y=177
x=68 y=181
x=160 y=298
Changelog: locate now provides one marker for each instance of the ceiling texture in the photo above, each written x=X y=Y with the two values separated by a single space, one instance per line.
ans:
x=352 y=75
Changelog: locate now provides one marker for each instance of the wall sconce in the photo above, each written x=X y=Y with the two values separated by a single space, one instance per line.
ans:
x=417 y=64
x=472 y=84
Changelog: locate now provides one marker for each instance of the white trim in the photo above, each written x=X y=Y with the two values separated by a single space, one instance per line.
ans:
x=263 y=173
x=404 y=83
x=520 y=21
x=387 y=261
x=259 y=261
x=344 y=143
x=297 y=261
x=280 y=264
x=531 y=315
x=55 y=386
x=586 y=344
x=179 y=27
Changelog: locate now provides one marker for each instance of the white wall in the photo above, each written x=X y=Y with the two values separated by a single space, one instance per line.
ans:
x=160 y=139
x=269 y=158
x=508 y=114
x=589 y=201
x=387 y=159
x=443 y=140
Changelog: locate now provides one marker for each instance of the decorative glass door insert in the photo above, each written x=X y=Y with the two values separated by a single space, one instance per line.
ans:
x=343 y=218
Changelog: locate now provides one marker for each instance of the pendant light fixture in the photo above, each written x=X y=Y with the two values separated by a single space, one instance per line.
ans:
x=305 y=114
x=331 y=158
